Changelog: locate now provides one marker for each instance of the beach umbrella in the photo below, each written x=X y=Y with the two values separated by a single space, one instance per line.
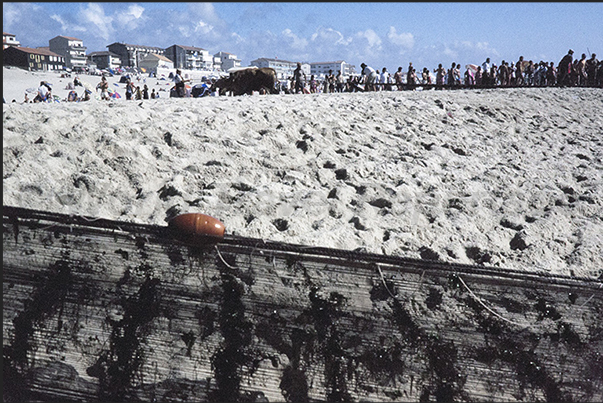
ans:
x=88 y=86
x=115 y=95
x=115 y=84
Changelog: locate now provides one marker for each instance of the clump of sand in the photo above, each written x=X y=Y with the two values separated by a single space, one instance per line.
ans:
x=502 y=177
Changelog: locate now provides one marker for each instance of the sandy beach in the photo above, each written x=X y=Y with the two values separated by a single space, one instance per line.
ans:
x=504 y=177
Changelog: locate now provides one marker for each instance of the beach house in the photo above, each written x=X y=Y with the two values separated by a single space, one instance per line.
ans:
x=33 y=59
x=152 y=62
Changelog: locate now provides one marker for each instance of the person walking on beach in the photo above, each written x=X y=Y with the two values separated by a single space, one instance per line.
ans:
x=299 y=79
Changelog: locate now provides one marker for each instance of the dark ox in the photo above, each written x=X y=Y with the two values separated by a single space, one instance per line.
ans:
x=245 y=81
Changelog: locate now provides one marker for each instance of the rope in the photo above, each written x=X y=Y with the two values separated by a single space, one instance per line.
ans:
x=222 y=259
x=487 y=308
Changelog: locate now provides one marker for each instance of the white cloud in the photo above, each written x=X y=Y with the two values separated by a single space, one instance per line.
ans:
x=404 y=40
x=203 y=28
x=329 y=36
x=294 y=41
x=237 y=38
x=94 y=15
x=131 y=18
x=374 y=41
x=58 y=19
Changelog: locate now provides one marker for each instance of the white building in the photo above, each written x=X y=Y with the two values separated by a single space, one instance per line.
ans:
x=72 y=49
x=320 y=70
x=226 y=61
x=154 y=62
x=284 y=68
x=9 y=40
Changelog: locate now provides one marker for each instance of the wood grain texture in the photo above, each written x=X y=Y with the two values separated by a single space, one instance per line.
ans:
x=115 y=311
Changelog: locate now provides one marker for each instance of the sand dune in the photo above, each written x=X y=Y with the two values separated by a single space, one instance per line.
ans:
x=505 y=177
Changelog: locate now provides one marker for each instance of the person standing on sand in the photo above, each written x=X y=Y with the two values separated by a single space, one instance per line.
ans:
x=179 y=83
x=440 y=75
x=591 y=70
x=581 y=70
x=129 y=90
x=340 y=82
x=398 y=79
x=384 y=80
x=564 y=69
x=519 y=72
x=104 y=86
x=486 y=72
x=299 y=79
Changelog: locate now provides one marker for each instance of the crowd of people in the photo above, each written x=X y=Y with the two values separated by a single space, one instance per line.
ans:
x=569 y=72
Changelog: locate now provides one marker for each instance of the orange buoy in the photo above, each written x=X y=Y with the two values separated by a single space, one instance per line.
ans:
x=197 y=225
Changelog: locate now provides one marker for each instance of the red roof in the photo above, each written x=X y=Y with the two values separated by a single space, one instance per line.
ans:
x=68 y=37
x=36 y=51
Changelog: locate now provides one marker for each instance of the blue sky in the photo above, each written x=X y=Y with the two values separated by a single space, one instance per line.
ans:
x=379 y=34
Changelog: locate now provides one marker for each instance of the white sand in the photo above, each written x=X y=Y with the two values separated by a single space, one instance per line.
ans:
x=510 y=178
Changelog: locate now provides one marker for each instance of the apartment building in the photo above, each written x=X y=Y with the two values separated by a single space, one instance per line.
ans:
x=72 y=50
x=131 y=55
x=321 y=69
x=189 y=57
x=226 y=61
x=104 y=60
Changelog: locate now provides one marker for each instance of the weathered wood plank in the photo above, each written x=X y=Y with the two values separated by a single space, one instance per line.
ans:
x=113 y=311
